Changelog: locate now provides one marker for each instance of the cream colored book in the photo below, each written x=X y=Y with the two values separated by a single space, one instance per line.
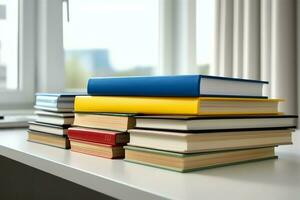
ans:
x=55 y=120
x=97 y=149
x=49 y=139
x=118 y=122
x=194 y=123
x=190 y=162
x=208 y=141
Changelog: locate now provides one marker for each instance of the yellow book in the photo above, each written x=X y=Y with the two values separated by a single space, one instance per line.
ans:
x=176 y=105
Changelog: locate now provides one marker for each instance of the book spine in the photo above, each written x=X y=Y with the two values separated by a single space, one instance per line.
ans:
x=92 y=136
x=166 y=86
x=146 y=105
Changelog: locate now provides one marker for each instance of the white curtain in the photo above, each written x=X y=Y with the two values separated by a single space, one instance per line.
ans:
x=257 y=39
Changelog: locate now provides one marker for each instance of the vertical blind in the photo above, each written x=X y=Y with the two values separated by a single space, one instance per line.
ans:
x=257 y=39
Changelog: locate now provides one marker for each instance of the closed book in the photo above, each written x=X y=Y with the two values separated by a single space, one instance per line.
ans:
x=176 y=105
x=48 y=128
x=58 y=102
x=54 y=109
x=183 y=142
x=54 y=114
x=205 y=123
x=175 y=86
x=190 y=162
x=96 y=149
x=56 y=97
x=58 y=105
x=48 y=139
x=61 y=121
x=98 y=136
x=110 y=121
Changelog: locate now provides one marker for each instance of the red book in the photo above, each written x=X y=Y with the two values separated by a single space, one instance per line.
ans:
x=98 y=136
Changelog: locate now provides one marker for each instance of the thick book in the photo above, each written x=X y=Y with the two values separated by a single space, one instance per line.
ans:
x=109 y=121
x=96 y=149
x=175 y=86
x=59 y=102
x=48 y=128
x=64 y=119
x=48 y=139
x=205 y=123
x=208 y=141
x=176 y=105
x=196 y=161
x=98 y=136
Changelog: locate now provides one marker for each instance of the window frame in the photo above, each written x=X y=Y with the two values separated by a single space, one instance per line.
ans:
x=50 y=72
x=23 y=97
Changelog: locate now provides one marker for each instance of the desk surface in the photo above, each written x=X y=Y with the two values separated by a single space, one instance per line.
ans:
x=271 y=179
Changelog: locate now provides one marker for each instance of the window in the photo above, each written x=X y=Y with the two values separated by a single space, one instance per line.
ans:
x=9 y=44
x=110 y=38
x=205 y=35
x=17 y=53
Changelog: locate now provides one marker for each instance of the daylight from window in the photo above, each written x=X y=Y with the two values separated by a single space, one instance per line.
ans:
x=110 y=38
x=9 y=44
x=205 y=35
x=121 y=38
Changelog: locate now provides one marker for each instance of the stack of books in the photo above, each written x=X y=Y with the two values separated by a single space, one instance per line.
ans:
x=189 y=122
x=100 y=134
x=54 y=117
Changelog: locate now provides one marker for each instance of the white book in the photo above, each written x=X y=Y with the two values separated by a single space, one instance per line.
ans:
x=55 y=120
x=194 y=123
x=48 y=128
x=208 y=141
x=54 y=114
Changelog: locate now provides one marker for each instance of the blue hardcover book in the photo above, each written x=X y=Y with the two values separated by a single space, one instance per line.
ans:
x=175 y=86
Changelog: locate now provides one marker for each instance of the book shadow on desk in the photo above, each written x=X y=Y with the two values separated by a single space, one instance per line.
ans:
x=274 y=171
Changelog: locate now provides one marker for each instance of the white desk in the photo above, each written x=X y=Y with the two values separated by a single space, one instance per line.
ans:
x=271 y=179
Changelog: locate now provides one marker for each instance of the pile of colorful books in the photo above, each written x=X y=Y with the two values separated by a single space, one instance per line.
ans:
x=183 y=123
x=100 y=134
x=54 y=117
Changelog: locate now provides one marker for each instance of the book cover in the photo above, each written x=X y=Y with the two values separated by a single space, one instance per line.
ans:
x=208 y=141
x=48 y=125
x=48 y=139
x=176 y=105
x=65 y=94
x=107 y=121
x=97 y=149
x=175 y=86
x=213 y=123
x=98 y=136
x=54 y=99
x=171 y=161
x=229 y=117
x=199 y=168
x=53 y=114
x=54 y=109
